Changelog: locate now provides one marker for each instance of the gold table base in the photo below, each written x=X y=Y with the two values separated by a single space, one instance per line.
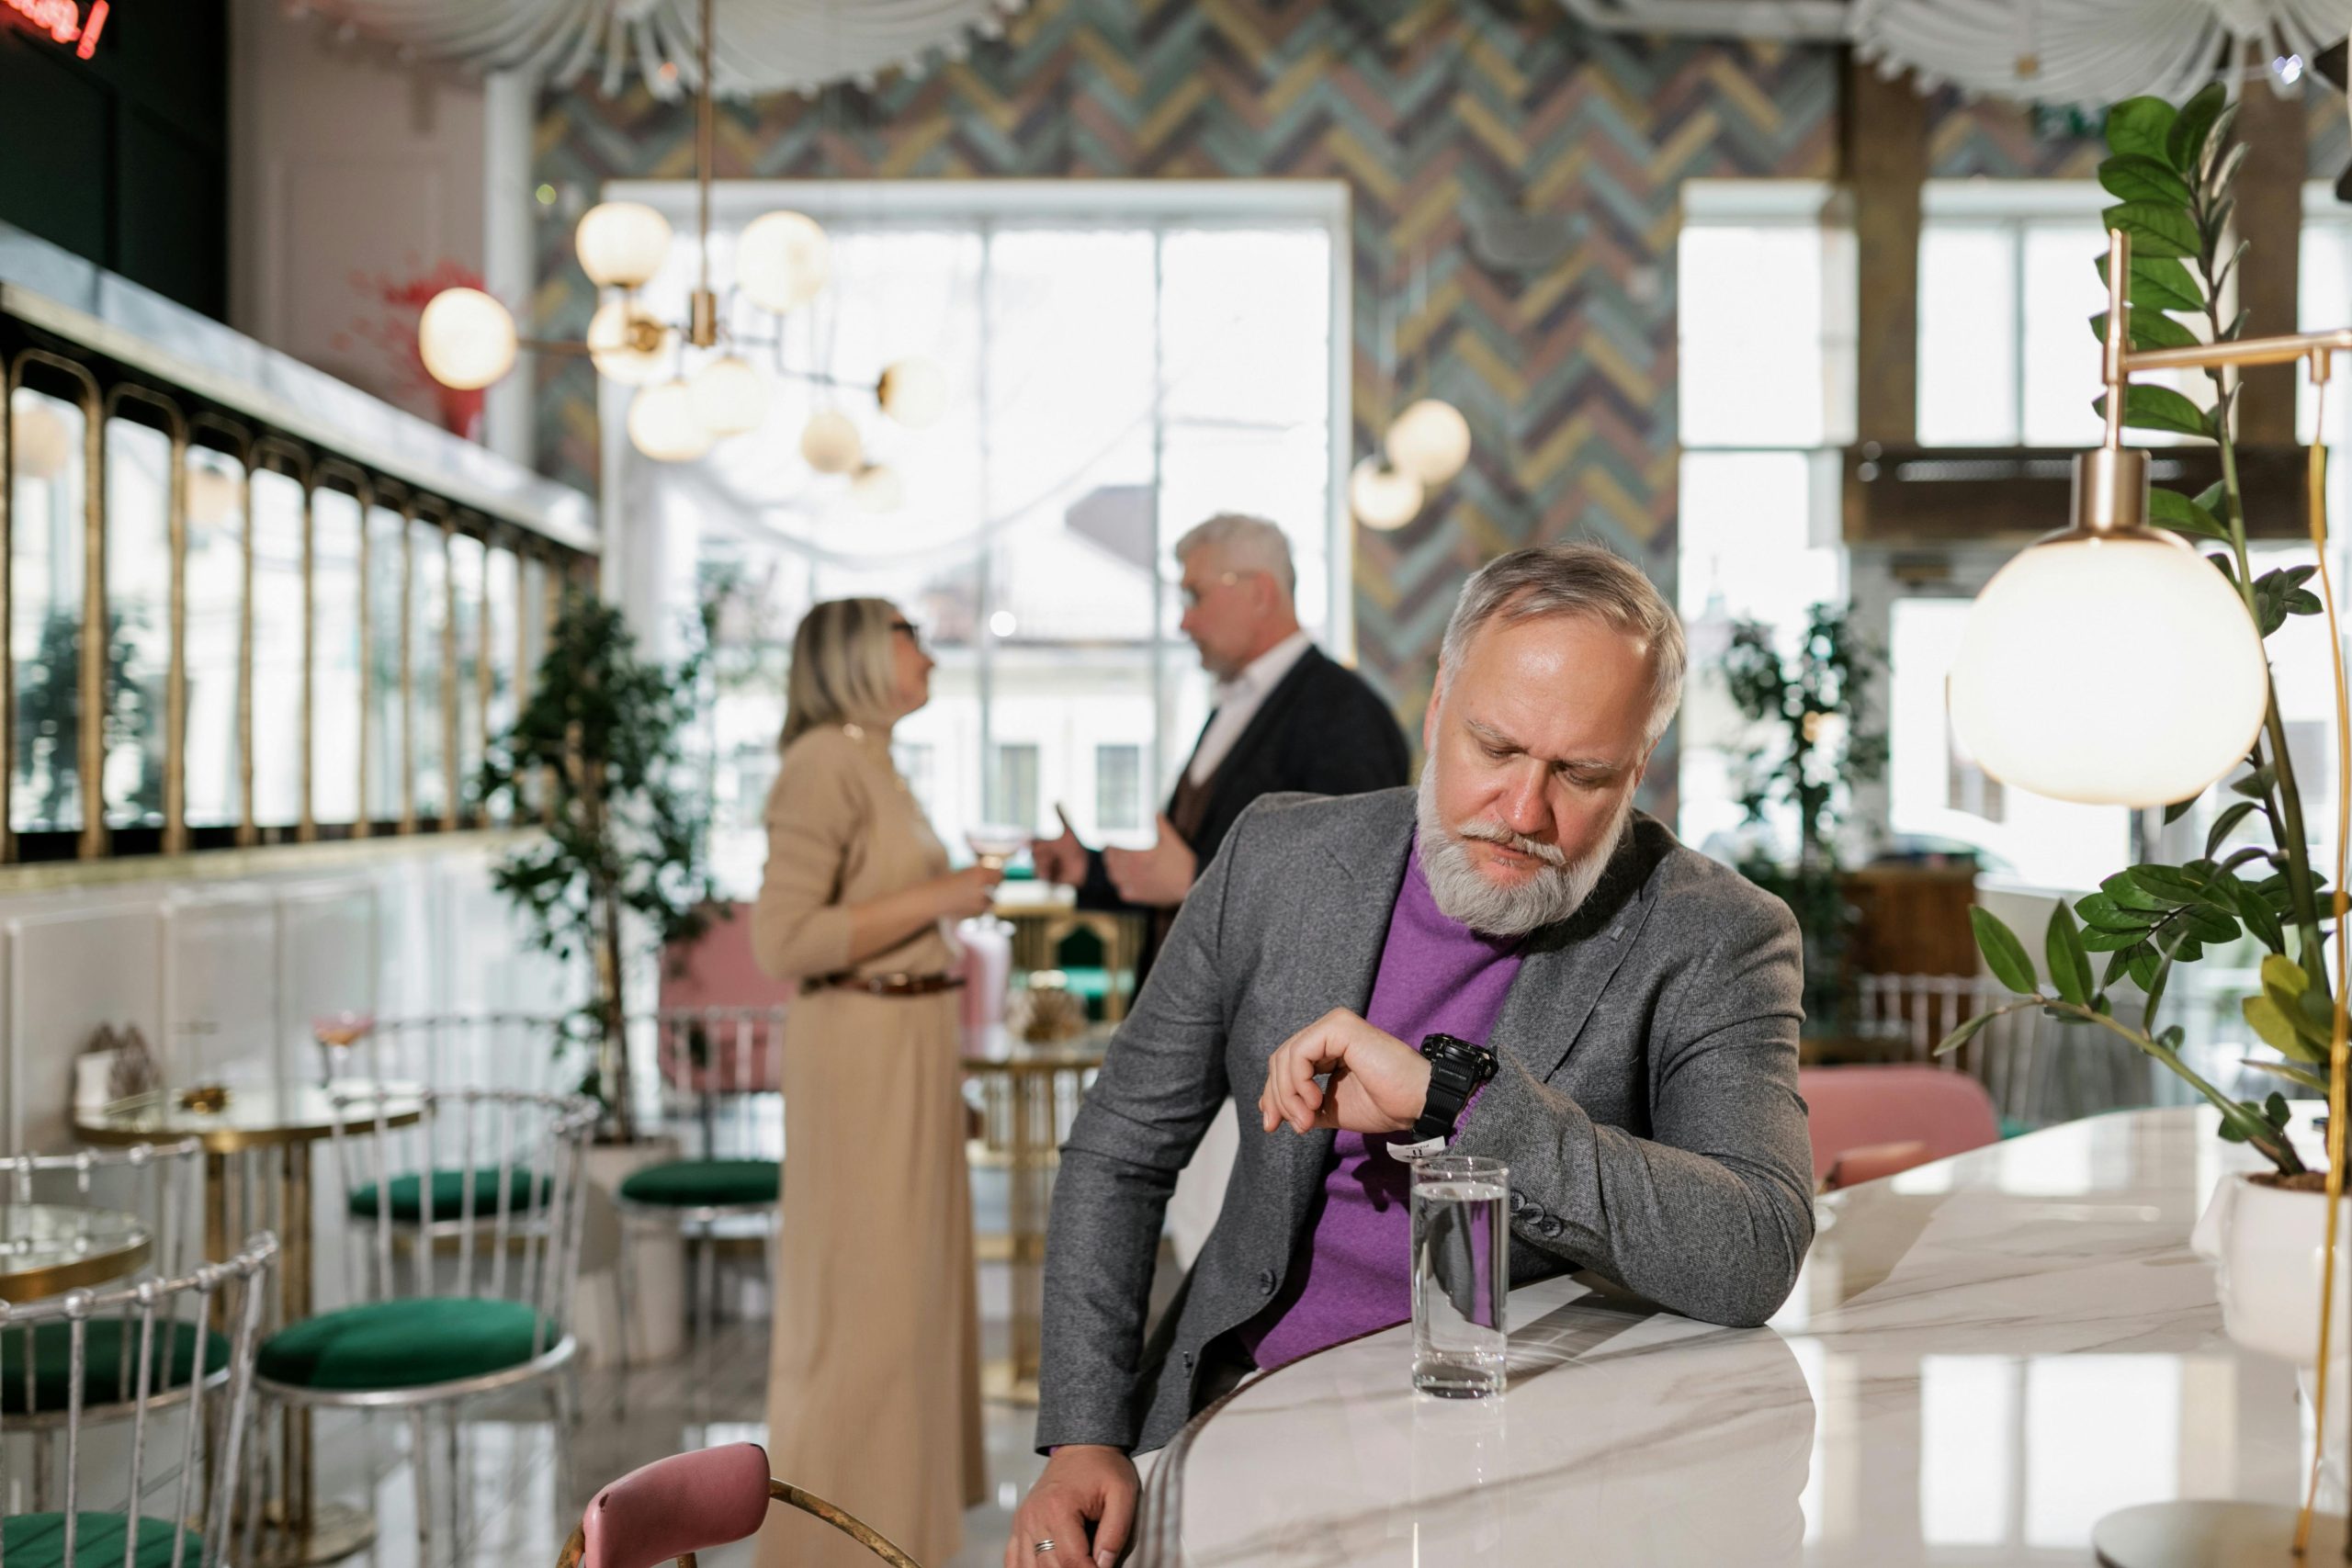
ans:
x=2211 y=1533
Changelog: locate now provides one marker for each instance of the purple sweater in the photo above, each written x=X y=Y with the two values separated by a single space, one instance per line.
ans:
x=1349 y=1274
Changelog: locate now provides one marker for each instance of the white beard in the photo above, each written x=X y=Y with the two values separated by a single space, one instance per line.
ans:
x=1558 y=890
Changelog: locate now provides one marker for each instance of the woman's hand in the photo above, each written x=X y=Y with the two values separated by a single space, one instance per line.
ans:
x=965 y=892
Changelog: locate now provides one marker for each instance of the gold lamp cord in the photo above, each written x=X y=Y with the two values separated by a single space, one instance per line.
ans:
x=2341 y=898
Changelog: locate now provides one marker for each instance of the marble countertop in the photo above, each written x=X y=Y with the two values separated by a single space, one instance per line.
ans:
x=1982 y=1358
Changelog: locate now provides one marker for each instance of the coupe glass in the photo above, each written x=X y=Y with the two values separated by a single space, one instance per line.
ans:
x=997 y=842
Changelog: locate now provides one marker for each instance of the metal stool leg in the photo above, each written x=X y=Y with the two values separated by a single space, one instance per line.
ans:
x=623 y=1279
x=420 y=1452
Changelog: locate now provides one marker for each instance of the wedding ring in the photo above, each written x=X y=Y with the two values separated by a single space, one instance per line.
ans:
x=1042 y=1548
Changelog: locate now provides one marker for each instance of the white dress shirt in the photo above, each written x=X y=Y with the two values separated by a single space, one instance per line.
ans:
x=1237 y=701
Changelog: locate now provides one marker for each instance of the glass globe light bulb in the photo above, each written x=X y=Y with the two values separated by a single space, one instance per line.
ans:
x=831 y=442
x=466 y=338
x=1430 y=441
x=913 y=391
x=622 y=348
x=621 y=244
x=877 y=487
x=730 y=397
x=662 y=425
x=2119 y=670
x=783 y=260
x=1382 y=497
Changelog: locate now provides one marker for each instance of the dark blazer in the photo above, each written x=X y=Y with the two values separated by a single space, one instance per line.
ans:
x=1322 y=730
x=1646 y=1103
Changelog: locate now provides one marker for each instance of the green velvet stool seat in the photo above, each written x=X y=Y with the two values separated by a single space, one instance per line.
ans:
x=704 y=1184
x=409 y=1343
x=110 y=1365
x=37 y=1540
x=525 y=1190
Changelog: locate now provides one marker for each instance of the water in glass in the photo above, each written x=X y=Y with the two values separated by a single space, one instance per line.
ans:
x=1461 y=1259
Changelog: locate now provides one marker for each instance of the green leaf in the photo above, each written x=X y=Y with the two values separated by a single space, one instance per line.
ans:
x=2133 y=176
x=2175 y=511
x=2257 y=784
x=2181 y=808
x=2150 y=329
x=2100 y=911
x=2142 y=126
x=2156 y=230
x=2070 y=967
x=2169 y=883
x=2274 y=1110
x=2185 y=138
x=2150 y=407
x=2209 y=925
x=2290 y=1071
x=2224 y=173
x=1968 y=1030
x=2215 y=139
x=2146 y=965
x=2262 y=1016
x=2119 y=964
x=2211 y=496
x=2004 y=954
x=2259 y=918
x=2159 y=283
x=2225 y=825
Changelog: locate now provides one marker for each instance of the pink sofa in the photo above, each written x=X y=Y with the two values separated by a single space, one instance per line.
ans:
x=1872 y=1121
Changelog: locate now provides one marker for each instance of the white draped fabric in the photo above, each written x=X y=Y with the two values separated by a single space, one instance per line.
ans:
x=2085 y=51
x=759 y=46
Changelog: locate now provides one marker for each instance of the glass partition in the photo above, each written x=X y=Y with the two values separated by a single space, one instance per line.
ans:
x=338 y=692
x=215 y=579
x=428 y=622
x=138 y=617
x=46 y=557
x=279 y=508
x=465 y=608
x=386 y=577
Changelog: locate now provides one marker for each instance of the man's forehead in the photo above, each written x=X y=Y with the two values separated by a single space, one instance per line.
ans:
x=1566 y=689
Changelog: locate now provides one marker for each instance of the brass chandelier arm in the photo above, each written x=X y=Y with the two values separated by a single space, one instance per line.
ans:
x=2122 y=362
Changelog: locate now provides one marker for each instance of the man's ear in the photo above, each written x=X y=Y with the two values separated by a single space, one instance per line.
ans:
x=1428 y=713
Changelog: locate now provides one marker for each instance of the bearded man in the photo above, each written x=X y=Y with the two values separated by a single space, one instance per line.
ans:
x=1617 y=1017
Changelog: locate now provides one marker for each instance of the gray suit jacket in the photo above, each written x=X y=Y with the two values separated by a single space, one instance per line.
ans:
x=1647 y=1101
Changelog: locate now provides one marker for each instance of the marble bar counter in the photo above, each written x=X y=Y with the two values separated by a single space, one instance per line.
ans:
x=1983 y=1357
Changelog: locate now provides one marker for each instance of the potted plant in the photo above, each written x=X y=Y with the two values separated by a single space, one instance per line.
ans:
x=1815 y=743
x=595 y=757
x=2172 y=172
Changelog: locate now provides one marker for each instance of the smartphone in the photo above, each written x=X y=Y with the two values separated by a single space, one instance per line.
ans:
x=1063 y=816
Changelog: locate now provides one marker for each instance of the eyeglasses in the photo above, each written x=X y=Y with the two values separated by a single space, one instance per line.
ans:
x=1190 y=597
x=915 y=633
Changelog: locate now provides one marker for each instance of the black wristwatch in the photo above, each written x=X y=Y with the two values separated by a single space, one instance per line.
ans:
x=1457 y=1068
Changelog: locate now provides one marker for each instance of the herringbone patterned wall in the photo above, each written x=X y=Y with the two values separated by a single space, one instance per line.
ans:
x=1429 y=110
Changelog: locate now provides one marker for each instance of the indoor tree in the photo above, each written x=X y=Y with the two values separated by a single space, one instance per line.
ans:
x=596 y=757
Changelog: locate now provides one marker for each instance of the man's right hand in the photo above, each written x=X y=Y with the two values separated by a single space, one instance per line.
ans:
x=1062 y=860
x=1084 y=1485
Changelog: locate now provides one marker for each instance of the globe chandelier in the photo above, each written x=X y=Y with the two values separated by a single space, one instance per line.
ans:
x=693 y=385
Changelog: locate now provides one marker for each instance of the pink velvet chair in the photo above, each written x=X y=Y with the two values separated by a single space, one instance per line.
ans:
x=716 y=983
x=692 y=1502
x=1872 y=1121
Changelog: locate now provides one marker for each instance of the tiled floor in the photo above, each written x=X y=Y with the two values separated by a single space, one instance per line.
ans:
x=521 y=1503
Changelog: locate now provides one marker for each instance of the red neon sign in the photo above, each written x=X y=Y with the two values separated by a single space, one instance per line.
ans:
x=63 y=22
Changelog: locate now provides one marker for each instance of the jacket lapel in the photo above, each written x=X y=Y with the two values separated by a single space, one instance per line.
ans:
x=1352 y=909
x=1569 y=965
x=1233 y=771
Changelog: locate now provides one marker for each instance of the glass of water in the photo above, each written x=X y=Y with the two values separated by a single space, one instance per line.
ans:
x=1461 y=1273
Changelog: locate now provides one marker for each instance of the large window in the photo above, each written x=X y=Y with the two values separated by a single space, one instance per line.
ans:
x=1766 y=332
x=1124 y=360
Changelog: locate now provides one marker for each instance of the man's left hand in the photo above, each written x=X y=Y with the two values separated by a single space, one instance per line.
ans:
x=1157 y=877
x=1376 y=1083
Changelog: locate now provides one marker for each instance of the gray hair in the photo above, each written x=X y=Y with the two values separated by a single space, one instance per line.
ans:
x=1248 y=544
x=1574 y=579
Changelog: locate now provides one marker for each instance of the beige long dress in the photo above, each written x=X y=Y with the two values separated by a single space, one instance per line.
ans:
x=874 y=1397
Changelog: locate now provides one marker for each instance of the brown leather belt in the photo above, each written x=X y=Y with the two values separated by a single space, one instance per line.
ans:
x=885 y=985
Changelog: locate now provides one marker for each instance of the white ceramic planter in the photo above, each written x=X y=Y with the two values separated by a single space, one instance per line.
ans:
x=2269 y=1246
x=657 y=1283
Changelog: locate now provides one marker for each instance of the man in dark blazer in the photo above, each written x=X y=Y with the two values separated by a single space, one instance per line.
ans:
x=1287 y=719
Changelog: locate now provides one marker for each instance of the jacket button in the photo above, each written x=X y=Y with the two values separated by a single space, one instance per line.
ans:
x=1188 y=1360
x=1547 y=1226
x=1266 y=1280
x=1518 y=1202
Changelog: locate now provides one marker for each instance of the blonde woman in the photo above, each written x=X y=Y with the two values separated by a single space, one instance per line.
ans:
x=874 y=1378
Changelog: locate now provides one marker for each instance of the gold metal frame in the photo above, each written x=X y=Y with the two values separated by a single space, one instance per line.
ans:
x=363 y=490
x=176 y=675
x=849 y=1524
x=90 y=749
x=298 y=461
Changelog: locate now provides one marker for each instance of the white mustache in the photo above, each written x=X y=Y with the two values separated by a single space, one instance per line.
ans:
x=1496 y=833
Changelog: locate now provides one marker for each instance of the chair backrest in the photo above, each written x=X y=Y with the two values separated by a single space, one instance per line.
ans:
x=493 y=1180
x=691 y=1502
x=164 y=1360
x=718 y=1071
x=2040 y=1070
x=1854 y=1108
x=491 y=1050
x=161 y=1185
